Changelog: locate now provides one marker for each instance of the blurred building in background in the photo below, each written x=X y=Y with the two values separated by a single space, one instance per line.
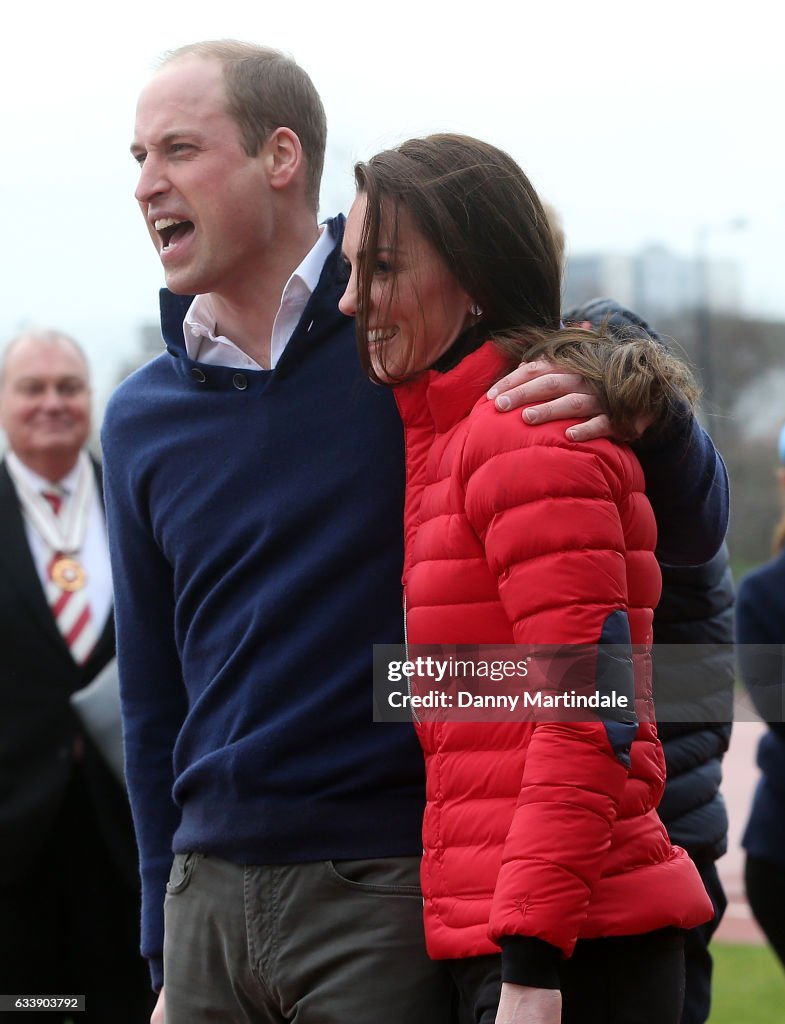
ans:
x=150 y=344
x=655 y=282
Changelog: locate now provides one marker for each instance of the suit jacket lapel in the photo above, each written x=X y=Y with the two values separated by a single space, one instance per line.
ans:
x=16 y=561
x=106 y=641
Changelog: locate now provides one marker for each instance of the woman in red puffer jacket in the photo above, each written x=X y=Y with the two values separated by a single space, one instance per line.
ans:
x=548 y=877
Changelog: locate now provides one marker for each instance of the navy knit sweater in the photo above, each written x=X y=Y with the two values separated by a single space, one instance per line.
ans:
x=256 y=538
x=256 y=535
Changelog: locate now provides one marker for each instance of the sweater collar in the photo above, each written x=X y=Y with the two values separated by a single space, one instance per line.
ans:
x=447 y=398
x=174 y=308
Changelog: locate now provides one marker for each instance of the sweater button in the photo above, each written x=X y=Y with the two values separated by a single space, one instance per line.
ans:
x=198 y=375
x=240 y=381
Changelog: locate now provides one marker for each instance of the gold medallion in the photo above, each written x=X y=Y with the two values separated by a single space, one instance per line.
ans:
x=68 y=574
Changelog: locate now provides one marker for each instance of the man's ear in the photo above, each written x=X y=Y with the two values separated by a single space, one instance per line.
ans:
x=284 y=156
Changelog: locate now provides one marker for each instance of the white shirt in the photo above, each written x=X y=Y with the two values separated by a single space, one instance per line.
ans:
x=94 y=555
x=204 y=346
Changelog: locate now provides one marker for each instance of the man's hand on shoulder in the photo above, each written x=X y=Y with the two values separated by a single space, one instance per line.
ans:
x=556 y=395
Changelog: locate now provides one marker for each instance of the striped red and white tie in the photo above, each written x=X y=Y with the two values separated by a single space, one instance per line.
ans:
x=70 y=608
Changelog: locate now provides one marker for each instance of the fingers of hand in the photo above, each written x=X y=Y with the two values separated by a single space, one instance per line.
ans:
x=540 y=389
x=522 y=374
x=571 y=406
x=591 y=429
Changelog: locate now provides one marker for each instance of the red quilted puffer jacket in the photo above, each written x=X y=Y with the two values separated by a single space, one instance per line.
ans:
x=516 y=535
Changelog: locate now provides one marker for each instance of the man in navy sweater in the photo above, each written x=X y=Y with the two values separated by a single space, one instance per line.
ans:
x=254 y=485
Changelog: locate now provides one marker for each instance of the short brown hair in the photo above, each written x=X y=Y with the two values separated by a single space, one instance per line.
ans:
x=265 y=90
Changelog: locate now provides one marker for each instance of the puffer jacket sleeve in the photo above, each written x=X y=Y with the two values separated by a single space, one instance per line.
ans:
x=565 y=530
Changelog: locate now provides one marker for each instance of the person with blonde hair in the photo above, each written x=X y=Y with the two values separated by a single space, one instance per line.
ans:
x=693 y=698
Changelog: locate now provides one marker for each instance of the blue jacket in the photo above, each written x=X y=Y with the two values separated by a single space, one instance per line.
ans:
x=760 y=633
x=693 y=696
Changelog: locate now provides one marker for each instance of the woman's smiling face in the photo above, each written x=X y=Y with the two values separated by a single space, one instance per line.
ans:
x=416 y=307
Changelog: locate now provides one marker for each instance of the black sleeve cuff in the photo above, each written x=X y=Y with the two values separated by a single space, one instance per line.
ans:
x=530 y=961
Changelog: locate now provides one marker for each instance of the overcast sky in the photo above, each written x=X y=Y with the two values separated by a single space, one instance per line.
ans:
x=640 y=122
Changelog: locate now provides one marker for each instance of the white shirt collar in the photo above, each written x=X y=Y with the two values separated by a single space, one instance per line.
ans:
x=200 y=324
x=310 y=270
x=40 y=483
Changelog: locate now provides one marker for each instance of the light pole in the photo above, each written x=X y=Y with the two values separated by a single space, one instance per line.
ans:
x=704 y=354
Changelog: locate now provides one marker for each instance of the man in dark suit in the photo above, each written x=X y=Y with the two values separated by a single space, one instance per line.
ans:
x=68 y=875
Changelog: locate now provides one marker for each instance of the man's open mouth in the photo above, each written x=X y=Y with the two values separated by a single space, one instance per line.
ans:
x=172 y=231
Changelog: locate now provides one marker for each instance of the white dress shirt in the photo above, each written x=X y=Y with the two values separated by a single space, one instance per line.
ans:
x=204 y=346
x=94 y=555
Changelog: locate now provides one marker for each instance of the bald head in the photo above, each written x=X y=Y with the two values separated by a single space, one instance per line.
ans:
x=42 y=337
x=45 y=401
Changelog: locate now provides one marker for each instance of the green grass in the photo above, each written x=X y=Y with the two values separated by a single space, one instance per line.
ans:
x=749 y=985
